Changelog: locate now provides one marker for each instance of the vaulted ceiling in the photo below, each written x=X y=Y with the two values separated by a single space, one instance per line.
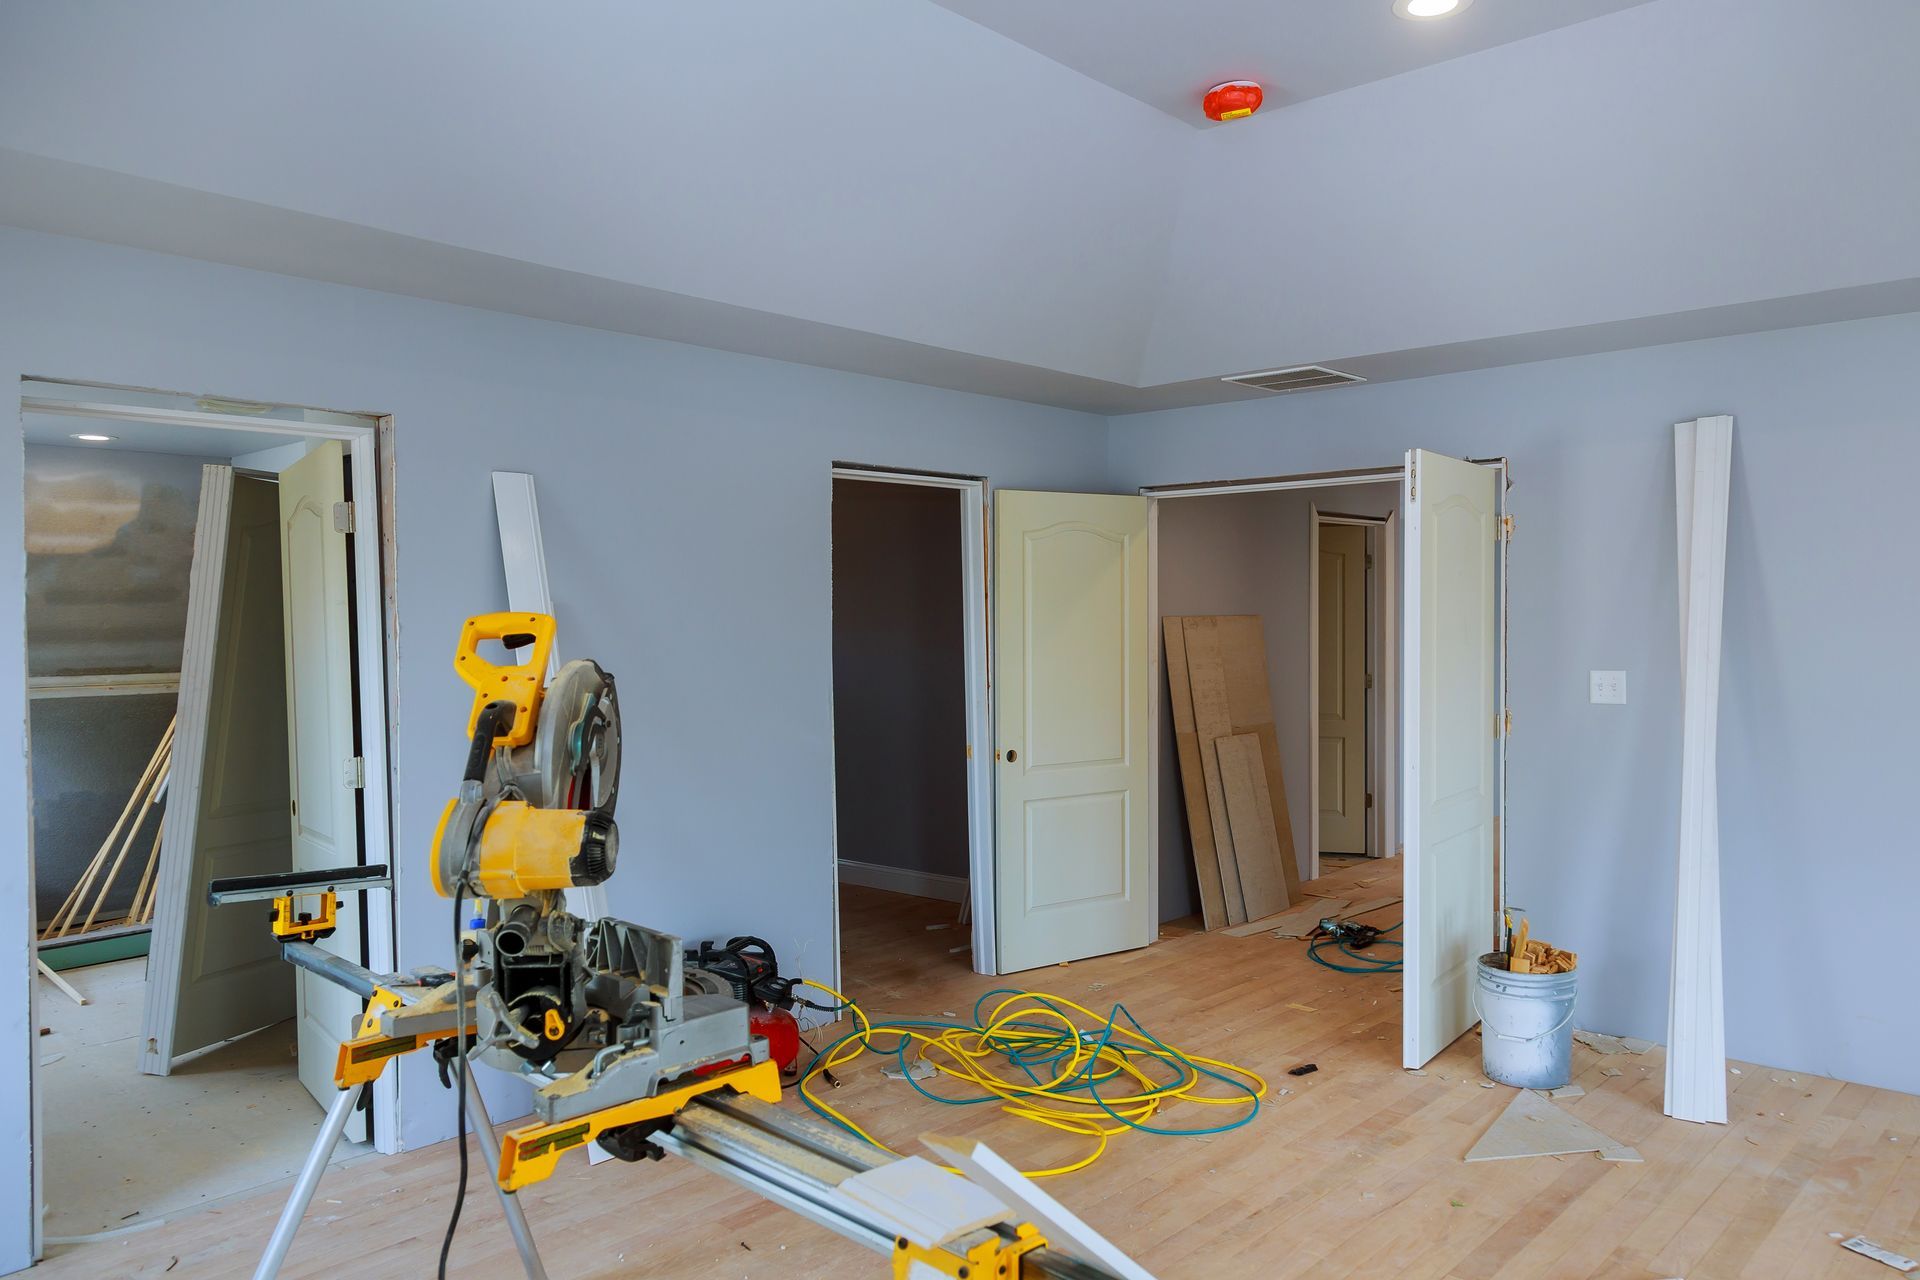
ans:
x=1019 y=204
x=1168 y=54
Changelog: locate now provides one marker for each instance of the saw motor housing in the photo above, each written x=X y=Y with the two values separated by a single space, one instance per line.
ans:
x=605 y=1011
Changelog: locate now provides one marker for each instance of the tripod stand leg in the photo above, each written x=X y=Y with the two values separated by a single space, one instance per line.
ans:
x=308 y=1182
x=509 y=1202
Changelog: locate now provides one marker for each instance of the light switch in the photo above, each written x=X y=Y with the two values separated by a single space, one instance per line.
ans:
x=1606 y=686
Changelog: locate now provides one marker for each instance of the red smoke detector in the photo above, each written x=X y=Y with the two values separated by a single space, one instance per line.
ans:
x=1234 y=100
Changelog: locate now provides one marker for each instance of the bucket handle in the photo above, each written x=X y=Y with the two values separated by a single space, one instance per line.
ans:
x=1473 y=996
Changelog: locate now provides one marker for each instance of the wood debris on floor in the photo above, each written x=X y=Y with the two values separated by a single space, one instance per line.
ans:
x=1287 y=1195
x=1602 y=1043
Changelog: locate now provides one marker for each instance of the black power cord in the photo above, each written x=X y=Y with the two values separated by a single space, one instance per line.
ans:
x=459 y=1074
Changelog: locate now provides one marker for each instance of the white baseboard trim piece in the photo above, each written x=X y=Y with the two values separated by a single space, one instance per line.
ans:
x=920 y=884
x=1696 y=1085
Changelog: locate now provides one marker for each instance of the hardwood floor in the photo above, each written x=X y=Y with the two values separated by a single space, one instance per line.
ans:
x=1356 y=1172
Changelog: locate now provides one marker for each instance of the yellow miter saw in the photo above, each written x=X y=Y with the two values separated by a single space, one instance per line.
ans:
x=603 y=1017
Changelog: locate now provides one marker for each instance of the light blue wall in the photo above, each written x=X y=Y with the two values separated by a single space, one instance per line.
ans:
x=882 y=165
x=1819 y=696
x=1671 y=157
x=685 y=498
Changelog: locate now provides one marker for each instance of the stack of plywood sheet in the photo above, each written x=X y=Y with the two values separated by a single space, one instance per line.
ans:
x=1230 y=768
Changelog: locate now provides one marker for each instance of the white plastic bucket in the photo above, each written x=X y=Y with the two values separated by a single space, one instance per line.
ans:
x=1526 y=1024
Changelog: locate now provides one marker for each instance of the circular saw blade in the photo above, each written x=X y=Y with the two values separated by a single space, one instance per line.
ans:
x=573 y=761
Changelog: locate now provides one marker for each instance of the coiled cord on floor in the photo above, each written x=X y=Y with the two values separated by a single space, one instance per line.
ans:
x=1046 y=1059
x=1362 y=961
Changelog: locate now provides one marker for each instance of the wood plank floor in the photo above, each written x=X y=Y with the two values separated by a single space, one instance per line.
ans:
x=1354 y=1173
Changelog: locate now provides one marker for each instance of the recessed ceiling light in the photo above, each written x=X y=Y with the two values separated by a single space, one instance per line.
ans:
x=92 y=438
x=1429 y=8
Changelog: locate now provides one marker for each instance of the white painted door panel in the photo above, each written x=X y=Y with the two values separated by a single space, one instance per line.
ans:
x=216 y=972
x=319 y=661
x=1343 y=688
x=1072 y=702
x=1451 y=703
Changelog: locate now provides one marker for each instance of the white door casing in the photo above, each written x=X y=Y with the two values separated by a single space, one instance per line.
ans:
x=319 y=664
x=1073 y=696
x=1451 y=704
x=1341 y=615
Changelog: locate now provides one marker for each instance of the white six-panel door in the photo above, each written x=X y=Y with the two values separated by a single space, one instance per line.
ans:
x=319 y=657
x=1450 y=704
x=1342 y=610
x=1073 y=699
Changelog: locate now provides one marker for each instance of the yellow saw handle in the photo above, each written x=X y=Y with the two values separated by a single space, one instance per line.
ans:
x=520 y=685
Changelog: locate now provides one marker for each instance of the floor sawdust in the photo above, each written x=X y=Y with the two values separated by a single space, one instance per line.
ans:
x=1351 y=1173
x=123 y=1148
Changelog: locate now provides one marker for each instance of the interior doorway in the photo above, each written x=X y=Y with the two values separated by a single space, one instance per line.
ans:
x=1260 y=553
x=205 y=693
x=1353 y=665
x=909 y=664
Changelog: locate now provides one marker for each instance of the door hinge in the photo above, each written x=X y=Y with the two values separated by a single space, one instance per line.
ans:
x=1413 y=477
x=343 y=517
x=1503 y=724
x=1369 y=799
x=1369 y=680
x=355 y=772
x=1506 y=529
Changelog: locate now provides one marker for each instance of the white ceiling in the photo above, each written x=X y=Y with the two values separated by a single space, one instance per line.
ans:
x=1168 y=54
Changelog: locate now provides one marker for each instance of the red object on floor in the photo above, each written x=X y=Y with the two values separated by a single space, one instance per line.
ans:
x=781 y=1030
x=1234 y=100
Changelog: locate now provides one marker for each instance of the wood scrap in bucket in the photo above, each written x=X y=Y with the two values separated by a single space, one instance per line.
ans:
x=1530 y=955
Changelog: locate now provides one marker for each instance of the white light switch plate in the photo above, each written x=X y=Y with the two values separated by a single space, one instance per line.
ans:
x=1606 y=686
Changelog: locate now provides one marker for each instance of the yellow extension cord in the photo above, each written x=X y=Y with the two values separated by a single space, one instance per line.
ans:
x=1079 y=1066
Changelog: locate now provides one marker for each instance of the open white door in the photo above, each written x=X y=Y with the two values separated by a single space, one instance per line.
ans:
x=216 y=974
x=1451 y=705
x=1074 y=693
x=323 y=772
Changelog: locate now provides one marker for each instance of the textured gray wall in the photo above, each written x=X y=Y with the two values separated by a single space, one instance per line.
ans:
x=1247 y=553
x=899 y=680
x=109 y=544
x=109 y=541
x=1818 y=697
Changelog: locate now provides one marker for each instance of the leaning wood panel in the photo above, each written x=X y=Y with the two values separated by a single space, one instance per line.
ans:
x=1207 y=679
x=1243 y=777
x=204 y=587
x=1193 y=787
x=1243 y=650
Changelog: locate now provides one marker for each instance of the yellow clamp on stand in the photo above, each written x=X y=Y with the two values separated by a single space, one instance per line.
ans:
x=996 y=1258
x=363 y=1058
x=305 y=926
x=528 y=1154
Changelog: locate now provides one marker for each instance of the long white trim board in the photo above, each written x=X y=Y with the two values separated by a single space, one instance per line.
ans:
x=1696 y=1085
x=524 y=555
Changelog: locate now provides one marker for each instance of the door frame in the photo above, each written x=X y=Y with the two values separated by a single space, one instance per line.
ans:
x=1383 y=701
x=370 y=455
x=1400 y=634
x=975 y=577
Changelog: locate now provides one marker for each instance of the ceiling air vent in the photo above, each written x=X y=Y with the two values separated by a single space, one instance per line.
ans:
x=1305 y=377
